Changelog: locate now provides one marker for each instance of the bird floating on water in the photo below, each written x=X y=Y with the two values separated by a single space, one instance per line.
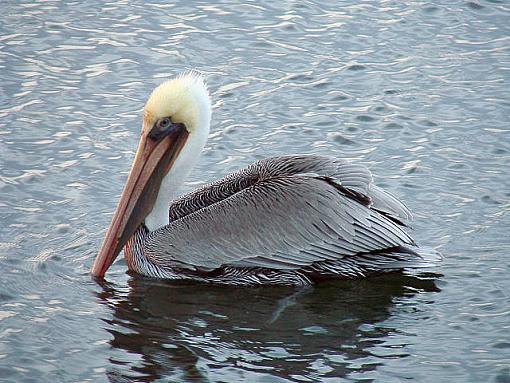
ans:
x=287 y=220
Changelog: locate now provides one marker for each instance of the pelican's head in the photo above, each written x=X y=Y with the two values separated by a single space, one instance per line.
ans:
x=183 y=100
x=175 y=127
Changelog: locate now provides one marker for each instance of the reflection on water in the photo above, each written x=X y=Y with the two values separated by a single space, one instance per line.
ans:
x=194 y=332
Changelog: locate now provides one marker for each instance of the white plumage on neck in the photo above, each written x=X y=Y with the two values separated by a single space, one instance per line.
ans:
x=198 y=104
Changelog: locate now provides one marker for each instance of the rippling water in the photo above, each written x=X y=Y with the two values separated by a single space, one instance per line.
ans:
x=418 y=91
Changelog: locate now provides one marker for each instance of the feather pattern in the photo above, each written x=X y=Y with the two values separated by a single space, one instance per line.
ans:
x=281 y=220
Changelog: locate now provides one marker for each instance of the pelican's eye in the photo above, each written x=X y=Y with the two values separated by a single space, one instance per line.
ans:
x=161 y=128
x=163 y=123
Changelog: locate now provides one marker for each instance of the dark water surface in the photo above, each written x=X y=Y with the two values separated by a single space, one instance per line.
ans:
x=419 y=91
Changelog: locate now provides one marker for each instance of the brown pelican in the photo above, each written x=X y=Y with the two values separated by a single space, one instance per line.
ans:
x=282 y=220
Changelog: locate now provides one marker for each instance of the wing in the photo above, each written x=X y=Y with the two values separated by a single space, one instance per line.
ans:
x=285 y=219
x=354 y=177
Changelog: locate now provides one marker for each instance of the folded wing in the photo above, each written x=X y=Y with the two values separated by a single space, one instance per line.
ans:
x=282 y=213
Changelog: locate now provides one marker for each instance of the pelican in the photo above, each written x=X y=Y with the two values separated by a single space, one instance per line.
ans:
x=288 y=220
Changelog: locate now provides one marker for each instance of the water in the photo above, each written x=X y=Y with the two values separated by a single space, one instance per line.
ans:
x=417 y=91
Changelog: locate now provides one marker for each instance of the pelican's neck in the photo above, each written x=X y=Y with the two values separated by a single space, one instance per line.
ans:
x=182 y=166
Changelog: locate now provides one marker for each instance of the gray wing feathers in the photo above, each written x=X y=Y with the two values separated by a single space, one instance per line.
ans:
x=355 y=177
x=286 y=216
x=387 y=203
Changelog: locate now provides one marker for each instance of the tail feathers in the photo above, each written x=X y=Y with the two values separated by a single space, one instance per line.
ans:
x=430 y=257
x=385 y=202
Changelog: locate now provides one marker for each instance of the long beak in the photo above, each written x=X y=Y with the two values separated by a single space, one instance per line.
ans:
x=152 y=162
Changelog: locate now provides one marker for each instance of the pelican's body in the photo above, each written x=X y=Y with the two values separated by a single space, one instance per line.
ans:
x=282 y=220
